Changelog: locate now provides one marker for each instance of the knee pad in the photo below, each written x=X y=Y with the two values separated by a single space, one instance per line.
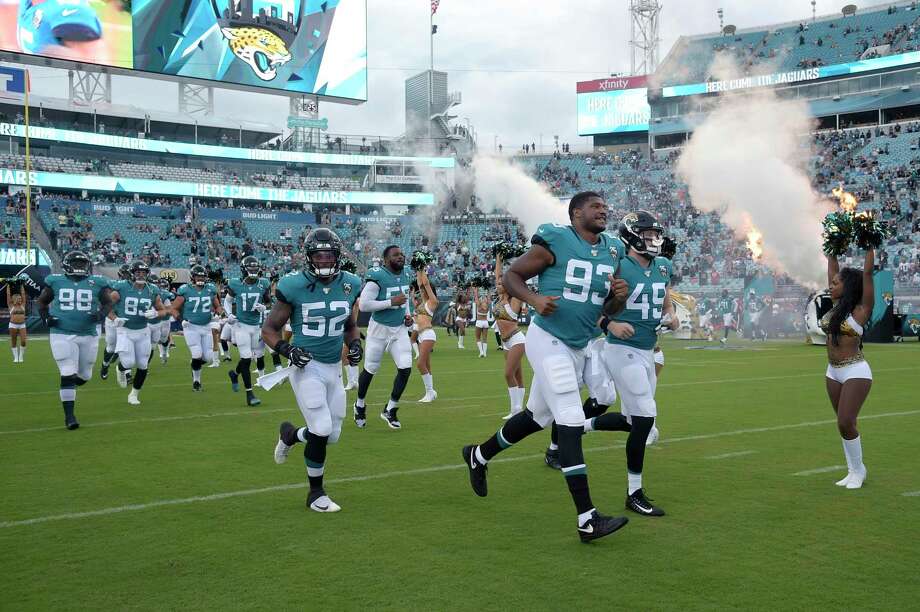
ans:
x=636 y=380
x=320 y=424
x=404 y=359
x=196 y=352
x=336 y=431
x=560 y=374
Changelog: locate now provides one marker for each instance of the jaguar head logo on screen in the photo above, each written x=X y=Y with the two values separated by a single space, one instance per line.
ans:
x=263 y=50
x=260 y=32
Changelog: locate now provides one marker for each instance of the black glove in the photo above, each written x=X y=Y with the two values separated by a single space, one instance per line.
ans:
x=407 y=321
x=297 y=355
x=355 y=352
x=51 y=321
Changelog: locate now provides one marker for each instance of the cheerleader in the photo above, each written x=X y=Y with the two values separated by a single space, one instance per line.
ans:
x=463 y=314
x=848 y=375
x=507 y=312
x=426 y=304
x=16 y=302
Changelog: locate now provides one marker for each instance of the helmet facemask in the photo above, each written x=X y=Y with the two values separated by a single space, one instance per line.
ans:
x=328 y=264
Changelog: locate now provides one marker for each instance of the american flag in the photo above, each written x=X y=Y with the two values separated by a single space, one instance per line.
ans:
x=434 y=6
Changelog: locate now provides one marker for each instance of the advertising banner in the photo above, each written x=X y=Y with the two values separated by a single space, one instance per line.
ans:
x=613 y=105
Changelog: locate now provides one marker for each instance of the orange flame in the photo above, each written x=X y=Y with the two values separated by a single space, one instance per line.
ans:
x=755 y=244
x=847 y=200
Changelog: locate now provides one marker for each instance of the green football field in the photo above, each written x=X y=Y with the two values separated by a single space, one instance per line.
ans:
x=177 y=504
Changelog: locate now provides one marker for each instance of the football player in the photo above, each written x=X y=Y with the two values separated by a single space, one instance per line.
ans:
x=111 y=331
x=72 y=305
x=194 y=305
x=576 y=265
x=725 y=307
x=138 y=304
x=385 y=294
x=167 y=296
x=248 y=294
x=318 y=301
x=631 y=338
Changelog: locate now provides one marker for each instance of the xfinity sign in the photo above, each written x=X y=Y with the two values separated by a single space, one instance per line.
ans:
x=613 y=105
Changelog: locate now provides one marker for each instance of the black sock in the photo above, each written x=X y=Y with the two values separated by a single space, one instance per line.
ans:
x=122 y=368
x=196 y=364
x=150 y=357
x=513 y=431
x=364 y=383
x=554 y=434
x=242 y=368
x=260 y=363
x=399 y=383
x=498 y=339
x=592 y=409
x=225 y=346
x=635 y=443
x=68 y=395
x=612 y=421
x=314 y=455
x=572 y=460
x=107 y=359
x=139 y=377
x=276 y=359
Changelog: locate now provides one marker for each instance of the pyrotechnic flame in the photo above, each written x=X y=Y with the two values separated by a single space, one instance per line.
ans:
x=847 y=200
x=755 y=244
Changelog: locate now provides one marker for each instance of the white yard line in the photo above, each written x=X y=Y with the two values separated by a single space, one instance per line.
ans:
x=821 y=470
x=730 y=455
x=911 y=494
x=395 y=474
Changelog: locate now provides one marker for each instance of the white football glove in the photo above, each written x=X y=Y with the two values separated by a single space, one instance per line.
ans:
x=120 y=322
x=664 y=327
x=231 y=320
x=260 y=308
x=184 y=323
x=150 y=313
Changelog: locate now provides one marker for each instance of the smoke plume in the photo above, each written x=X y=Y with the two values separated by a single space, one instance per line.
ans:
x=747 y=160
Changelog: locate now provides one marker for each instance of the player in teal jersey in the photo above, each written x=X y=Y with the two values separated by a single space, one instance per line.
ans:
x=318 y=302
x=137 y=305
x=196 y=302
x=72 y=305
x=111 y=332
x=249 y=294
x=726 y=307
x=575 y=265
x=631 y=338
x=167 y=296
x=386 y=295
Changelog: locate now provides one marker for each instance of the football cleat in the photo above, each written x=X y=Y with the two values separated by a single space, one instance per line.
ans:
x=43 y=23
x=318 y=501
x=104 y=372
x=227 y=357
x=133 y=399
x=122 y=378
x=287 y=432
x=552 y=459
x=351 y=386
x=251 y=399
x=215 y=363
x=477 y=471
x=360 y=416
x=429 y=397
x=653 y=436
x=856 y=479
x=843 y=481
x=600 y=525
x=234 y=380
x=196 y=386
x=129 y=376
x=71 y=423
x=390 y=417
x=640 y=504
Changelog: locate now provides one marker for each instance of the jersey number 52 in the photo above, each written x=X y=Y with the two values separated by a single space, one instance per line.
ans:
x=316 y=326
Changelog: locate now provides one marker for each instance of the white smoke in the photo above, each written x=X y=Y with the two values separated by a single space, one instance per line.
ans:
x=747 y=161
x=501 y=186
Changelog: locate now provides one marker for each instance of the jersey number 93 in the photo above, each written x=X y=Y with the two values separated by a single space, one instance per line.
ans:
x=579 y=274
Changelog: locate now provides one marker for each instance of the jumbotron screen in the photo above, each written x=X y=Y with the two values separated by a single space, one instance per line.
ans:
x=617 y=104
x=303 y=46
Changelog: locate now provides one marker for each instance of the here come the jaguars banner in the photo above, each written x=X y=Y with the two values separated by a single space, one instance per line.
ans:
x=113 y=184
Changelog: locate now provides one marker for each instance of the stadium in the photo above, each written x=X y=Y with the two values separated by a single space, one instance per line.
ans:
x=187 y=288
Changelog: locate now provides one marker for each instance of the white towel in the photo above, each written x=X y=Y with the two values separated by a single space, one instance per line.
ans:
x=267 y=381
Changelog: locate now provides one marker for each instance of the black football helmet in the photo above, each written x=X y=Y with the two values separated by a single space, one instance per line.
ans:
x=163 y=283
x=124 y=272
x=198 y=275
x=634 y=224
x=323 y=239
x=77 y=263
x=250 y=267
x=153 y=279
x=139 y=271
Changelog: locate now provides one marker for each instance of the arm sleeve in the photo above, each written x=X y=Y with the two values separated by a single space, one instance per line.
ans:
x=227 y=304
x=369 y=302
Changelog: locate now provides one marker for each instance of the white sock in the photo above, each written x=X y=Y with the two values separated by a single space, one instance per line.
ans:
x=460 y=343
x=429 y=382
x=196 y=375
x=479 y=456
x=485 y=348
x=15 y=353
x=553 y=446
x=853 y=451
x=635 y=482
x=22 y=353
x=359 y=403
x=133 y=393
x=391 y=405
x=520 y=398
x=589 y=425
x=584 y=517
x=512 y=398
x=352 y=373
x=162 y=351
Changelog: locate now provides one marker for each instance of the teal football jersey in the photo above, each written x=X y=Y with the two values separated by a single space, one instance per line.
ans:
x=197 y=307
x=75 y=303
x=133 y=302
x=390 y=285
x=166 y=297
x=245 y=298
x=648 y=288
x=579 y=277
x=725 y=306
x=318 y=311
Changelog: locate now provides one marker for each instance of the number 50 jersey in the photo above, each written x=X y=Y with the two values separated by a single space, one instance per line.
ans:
x=319 y=312
x=578 y=277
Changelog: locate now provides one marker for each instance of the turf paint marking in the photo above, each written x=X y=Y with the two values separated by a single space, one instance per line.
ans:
x=821 y=470
x=911 y=494
x=730 y=455
x=427 y=470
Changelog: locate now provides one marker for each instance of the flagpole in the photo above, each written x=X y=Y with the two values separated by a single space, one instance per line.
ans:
x=430 y=72
x=28 y=169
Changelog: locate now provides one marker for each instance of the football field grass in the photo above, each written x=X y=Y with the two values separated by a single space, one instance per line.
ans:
x=176 y=504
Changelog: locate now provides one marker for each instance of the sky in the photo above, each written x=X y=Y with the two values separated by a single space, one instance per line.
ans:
x=515 y=62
